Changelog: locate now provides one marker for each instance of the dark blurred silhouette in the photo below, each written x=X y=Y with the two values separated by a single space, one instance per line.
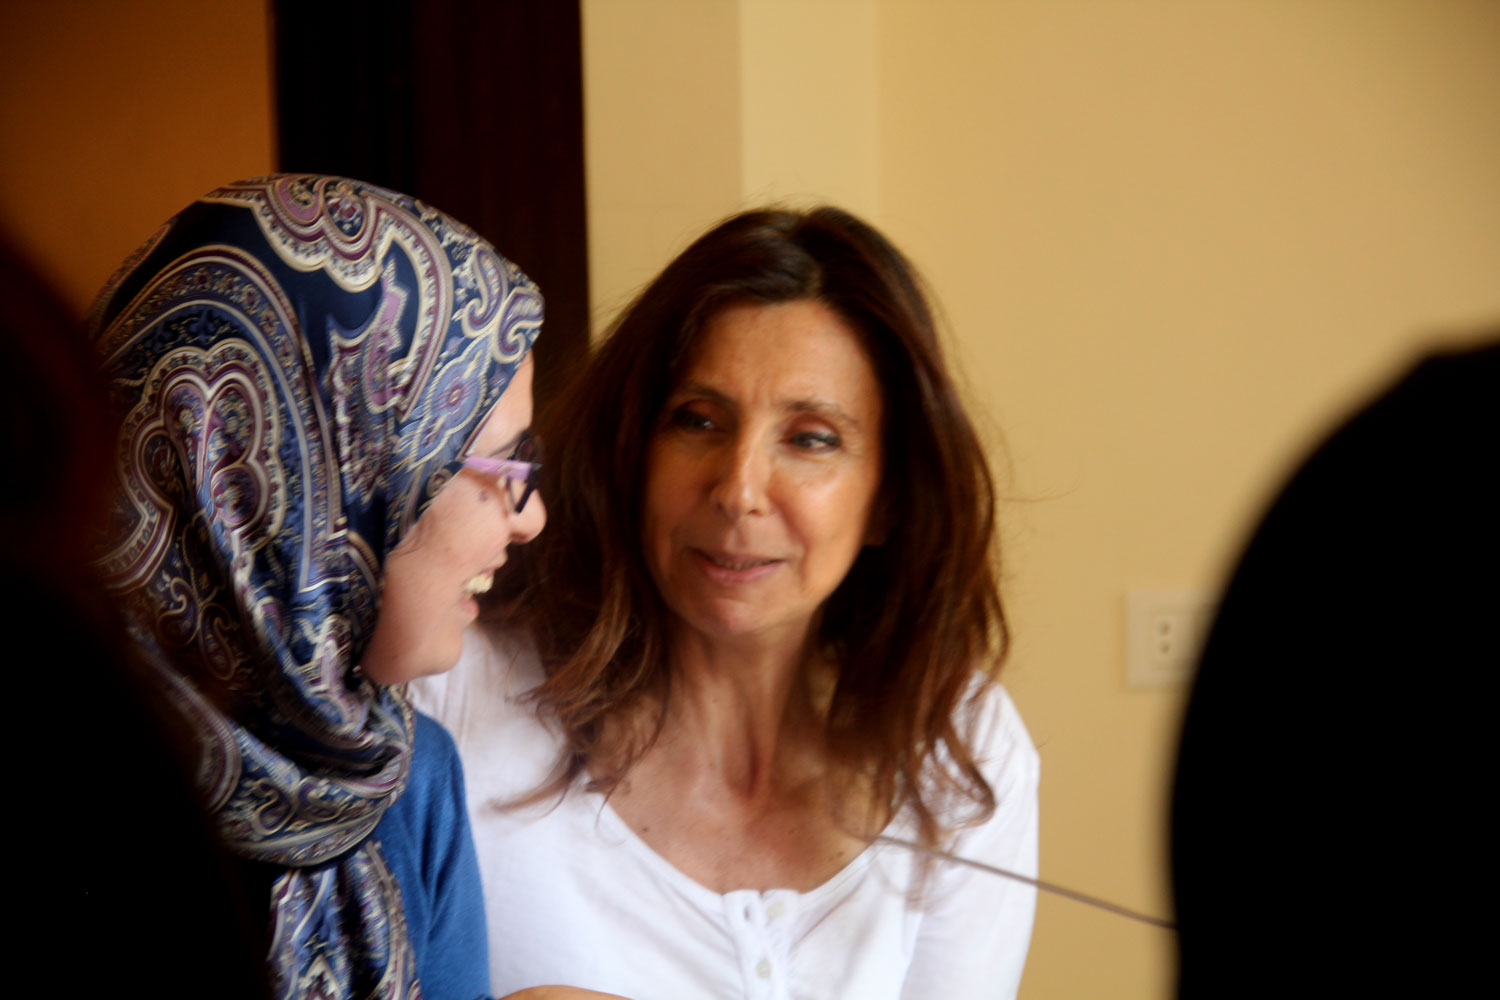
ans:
x=121 y=882
x=1329 y=832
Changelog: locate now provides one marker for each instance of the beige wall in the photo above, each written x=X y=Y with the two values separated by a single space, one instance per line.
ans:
x=114 y=115
x=661 y=134
x=1172 y=240
x=696 y=108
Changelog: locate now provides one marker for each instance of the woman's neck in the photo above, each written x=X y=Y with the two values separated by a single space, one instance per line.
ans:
x=737 y=789
x=743 y=714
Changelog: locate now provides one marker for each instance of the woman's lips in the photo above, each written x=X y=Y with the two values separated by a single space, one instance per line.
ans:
x=475 y=585
x=732 y=567
x=479 y=583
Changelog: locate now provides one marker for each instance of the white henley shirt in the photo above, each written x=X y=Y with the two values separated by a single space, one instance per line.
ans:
x=573 y=897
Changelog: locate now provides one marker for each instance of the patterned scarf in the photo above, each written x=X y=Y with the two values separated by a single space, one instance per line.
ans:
x=299 y=362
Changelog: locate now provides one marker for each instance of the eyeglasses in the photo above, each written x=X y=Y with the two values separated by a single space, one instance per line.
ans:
x=522 y=468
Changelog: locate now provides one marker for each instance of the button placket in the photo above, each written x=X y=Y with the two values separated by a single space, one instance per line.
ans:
x=750 y=922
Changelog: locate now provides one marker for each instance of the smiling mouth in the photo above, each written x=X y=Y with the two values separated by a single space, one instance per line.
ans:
x=736 y=562
x=478 y=584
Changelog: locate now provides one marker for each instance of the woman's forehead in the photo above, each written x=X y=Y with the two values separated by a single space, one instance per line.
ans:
x=794 y=356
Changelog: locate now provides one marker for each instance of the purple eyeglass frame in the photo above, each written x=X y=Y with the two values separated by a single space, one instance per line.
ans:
x=513 y=470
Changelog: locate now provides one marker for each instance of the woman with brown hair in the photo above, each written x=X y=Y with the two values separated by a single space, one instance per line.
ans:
x=759 y=646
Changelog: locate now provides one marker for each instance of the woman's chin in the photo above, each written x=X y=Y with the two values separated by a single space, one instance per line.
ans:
x=440 y=655
x=738 y=625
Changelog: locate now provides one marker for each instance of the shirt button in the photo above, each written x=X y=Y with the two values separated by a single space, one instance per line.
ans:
x=763 y=969
x=775 y=910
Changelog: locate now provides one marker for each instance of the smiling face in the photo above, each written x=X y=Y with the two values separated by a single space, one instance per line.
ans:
x=762 y=473
x=451 y=553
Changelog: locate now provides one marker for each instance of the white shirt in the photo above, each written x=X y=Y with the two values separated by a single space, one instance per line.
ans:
x=573 y=897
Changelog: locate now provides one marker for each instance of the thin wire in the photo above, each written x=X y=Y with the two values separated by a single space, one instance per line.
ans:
x=1037 y=883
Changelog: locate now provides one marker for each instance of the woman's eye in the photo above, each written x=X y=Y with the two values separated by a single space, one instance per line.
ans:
x=816 y=440
x=690 y=420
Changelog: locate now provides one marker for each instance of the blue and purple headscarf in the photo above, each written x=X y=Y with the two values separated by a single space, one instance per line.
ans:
x=299 y=363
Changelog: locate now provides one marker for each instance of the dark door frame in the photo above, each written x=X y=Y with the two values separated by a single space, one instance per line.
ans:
x=474 y=106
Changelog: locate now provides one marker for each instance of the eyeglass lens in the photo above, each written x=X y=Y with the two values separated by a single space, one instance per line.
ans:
x=528 y=449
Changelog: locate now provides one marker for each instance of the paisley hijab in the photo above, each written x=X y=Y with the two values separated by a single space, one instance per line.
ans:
x=299 y=362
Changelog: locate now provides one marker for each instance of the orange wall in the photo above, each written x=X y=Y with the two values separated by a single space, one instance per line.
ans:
x=114 y=114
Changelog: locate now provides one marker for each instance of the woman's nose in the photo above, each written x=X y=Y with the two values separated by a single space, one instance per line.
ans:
x=741 y=486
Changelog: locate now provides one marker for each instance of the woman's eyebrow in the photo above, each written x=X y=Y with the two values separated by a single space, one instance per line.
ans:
x=693 y=388
x=817 y=407
x=823 y=408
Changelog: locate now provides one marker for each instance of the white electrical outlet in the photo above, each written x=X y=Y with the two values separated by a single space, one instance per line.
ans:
x=1164 y=633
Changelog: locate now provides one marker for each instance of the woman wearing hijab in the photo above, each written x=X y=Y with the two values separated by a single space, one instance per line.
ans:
x=761 y=647
x=324 y=391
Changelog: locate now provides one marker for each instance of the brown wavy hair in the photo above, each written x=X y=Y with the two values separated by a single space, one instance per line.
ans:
x=915 y=629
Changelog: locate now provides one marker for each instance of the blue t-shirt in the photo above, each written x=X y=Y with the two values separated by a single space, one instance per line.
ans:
x=427 y=845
